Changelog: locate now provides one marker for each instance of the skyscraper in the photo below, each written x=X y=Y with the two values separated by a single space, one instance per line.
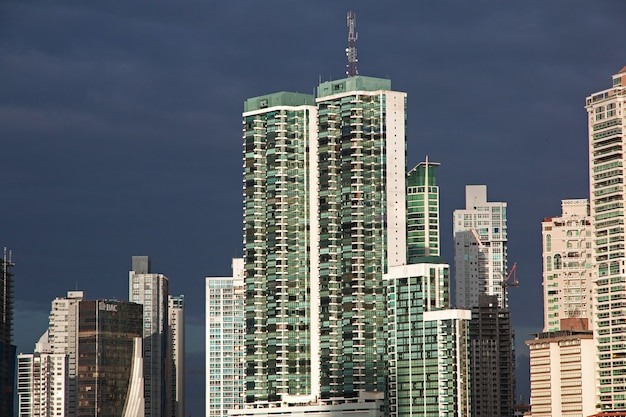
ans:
x=225 y=333
x=321 y=225
x=567 y=265
x=109 y=361
x=7 y=349
x=362 y=227
x=176 y=356
x=151 y=290
x=492 y=359
x=423 y=237
x=279 y=245
x=480 y=259
x=607 y=144
x=428 y=357
x=480 y=256
x=63 y=339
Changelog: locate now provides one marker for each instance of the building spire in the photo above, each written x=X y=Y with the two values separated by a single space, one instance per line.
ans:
x=351 y=49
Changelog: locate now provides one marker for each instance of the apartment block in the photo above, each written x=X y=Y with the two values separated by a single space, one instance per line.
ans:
x=567 y=264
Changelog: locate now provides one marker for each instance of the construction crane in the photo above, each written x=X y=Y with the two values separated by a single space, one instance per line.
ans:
x=351 y=49
x=512 y=272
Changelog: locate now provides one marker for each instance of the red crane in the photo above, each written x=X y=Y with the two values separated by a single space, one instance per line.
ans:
x=513 y=272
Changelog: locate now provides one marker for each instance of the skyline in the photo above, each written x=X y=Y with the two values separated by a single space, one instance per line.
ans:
x=126 y=140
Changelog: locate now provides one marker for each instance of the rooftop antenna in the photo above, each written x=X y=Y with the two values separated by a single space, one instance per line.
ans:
x=351 y=49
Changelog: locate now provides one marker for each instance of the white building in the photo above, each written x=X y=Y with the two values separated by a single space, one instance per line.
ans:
x=562 y=374
x=607 y=146
x=225 y=342
x=63 y=339
x=480 y=249
x=176 y=355
x=567 y=265
x=152 y=290
x=42 y=381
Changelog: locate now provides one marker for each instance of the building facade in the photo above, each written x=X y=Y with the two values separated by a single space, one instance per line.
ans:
x=423 y=237
x=562 y=374
x=428 y=350
x=109 y=332
x=607 y=144
x=324 y=216
x=7 y=349
x=225 y=330
x=280 y=249
x=63 y=339
x=492 y=358
x=567 y=264
x=42 y=380
x=151 y=290
x=362 y=224
x=176 y=356
x=480 y=249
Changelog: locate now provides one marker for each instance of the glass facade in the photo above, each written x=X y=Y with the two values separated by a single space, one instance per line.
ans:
x=277 y=163
x=428 y=351
x=353 y=227
x=106 y=333
x=422 y=212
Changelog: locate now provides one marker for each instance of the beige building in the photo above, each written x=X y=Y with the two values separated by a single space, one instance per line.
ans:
x=567 y=264
x=562 y=373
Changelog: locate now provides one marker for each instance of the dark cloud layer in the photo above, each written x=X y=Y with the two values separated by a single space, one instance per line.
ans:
x=120 y=124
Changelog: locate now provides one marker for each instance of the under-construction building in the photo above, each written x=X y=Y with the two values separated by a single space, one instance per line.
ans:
x=492 y=359
x=7 y=349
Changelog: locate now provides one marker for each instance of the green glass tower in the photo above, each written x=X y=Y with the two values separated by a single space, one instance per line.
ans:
x=362 y=209
x=428 y=351
x=279 y=254
x=324 y=215
x=422 y=212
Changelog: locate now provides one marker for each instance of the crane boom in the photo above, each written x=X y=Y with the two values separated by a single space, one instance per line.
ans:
x=512 y=272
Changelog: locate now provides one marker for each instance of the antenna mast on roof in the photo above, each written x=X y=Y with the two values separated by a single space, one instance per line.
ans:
x=351 y=49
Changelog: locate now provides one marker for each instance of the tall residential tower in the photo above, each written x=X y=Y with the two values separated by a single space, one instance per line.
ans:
x=607 y=146
x=480 y=237
x=567 y=265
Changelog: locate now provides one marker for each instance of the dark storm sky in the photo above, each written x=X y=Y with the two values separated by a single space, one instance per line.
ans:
x=120 y=126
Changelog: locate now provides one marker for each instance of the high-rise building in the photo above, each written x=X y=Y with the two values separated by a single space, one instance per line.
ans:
x=567 y=265
x=176 y=355
x=480 y=256
x=324 y=216
x=321 y=226
x=7 y=349
x=480 y=259
x=428 y=351
x=362 y=227
x=427 y=346
x=492 y=359
x=607 y=144
x=109 y=362
x=151 y=290
x=423 y=237
x=280 y=245
x=42 y=381
x=62 y=335
x=225 y=332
